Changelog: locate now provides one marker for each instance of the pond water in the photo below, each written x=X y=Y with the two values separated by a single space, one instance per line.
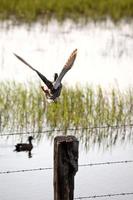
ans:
x=105 y=57
x=94 y=180
x=105 y=52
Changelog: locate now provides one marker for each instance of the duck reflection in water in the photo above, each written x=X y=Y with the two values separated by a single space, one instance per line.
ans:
x=53 y=89
x=25 y=146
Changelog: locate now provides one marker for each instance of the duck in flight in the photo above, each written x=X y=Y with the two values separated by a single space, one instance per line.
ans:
x=53 y=89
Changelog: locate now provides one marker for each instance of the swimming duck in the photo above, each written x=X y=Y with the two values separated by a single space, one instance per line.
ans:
x=53 y=89
x=25 y=146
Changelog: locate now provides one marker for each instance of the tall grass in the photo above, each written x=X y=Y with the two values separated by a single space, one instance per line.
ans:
x=21 y=108
x=31 y=10
x=24 y=108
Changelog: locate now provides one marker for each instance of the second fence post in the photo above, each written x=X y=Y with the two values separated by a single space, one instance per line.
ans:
x=65 y=166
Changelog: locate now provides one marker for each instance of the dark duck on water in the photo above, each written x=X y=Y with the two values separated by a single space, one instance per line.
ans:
x=53 y=89
x=24 y=146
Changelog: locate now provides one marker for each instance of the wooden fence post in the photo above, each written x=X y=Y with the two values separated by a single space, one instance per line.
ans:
x=65 y=166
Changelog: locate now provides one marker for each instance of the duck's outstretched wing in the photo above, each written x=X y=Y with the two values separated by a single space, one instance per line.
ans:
x=66 y=68
x=25 y=62
x=43 y=78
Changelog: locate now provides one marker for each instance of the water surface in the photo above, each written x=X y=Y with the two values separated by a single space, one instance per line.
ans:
x=103 y=179
x=105 y=57
x=105 y=52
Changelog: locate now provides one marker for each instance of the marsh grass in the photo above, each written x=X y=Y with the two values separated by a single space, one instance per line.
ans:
x=24 y=108
x=31 y=10
x=90 y=107
x=21 y=108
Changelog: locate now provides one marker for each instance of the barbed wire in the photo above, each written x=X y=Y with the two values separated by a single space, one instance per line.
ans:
x=105 y=195
x=70 y=129
x=106 y=163
x=81 y=165
x=26 y=170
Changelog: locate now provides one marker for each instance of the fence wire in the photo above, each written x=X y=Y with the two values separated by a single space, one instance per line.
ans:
x=25 y=170
x=82 y=165
x=105 y=195
x=70 y=129
x=106 y=163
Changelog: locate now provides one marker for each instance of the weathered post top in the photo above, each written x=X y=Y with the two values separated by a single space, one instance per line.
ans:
x=65 y=166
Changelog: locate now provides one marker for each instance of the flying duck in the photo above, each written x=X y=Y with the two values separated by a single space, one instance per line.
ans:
x=25 y=146
x=53 y=89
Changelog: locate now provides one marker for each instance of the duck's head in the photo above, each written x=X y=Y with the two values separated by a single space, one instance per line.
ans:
x=30 y=138
x=55 y=76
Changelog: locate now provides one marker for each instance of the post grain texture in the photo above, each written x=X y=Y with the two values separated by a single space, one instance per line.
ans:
x=65 y=166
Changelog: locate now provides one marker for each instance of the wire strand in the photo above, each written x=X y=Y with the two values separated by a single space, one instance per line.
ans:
x=105 y=195
x=81 y=165
x=106 y=163
x=70 y=129
x=25 y=170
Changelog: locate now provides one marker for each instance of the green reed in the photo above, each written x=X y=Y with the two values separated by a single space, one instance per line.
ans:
x=31 y=10
x=23 y=108
x=20 y=106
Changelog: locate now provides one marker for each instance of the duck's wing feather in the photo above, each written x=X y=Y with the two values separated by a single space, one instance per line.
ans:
x=43 y=78
x=66 y=68
x=25 y=62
